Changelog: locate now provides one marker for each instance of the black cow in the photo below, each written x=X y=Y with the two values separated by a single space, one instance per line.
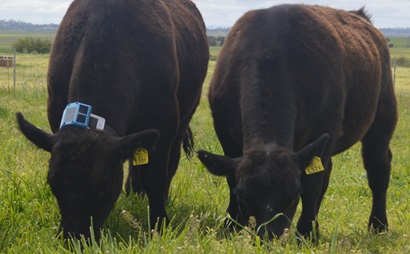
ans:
x=140 y=65
x=293 y=86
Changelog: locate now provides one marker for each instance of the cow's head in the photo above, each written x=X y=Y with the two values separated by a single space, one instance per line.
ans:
x=267 y=181
x=85 y=171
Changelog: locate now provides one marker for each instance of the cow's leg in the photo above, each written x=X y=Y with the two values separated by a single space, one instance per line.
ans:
x=154 y=182
x=312 y=195
x=187 y=110
x=377 y=157
x=174 y=158
x=133 y=183
x=153 y=177
x=308 y=225
x=326 y=179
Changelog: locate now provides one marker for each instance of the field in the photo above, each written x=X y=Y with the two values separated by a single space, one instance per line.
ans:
x=29 y=215
x=7 y=38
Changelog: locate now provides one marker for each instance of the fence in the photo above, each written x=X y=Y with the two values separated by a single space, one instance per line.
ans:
x=9 y=62
x=22 y=71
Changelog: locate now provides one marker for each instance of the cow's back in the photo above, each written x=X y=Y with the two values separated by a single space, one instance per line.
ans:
x=329 y=61
x=116 y=55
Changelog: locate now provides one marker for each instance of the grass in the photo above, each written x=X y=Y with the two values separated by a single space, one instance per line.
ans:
x=30 y=73
x=400 y=42
x=29 y=215
x=8 y=38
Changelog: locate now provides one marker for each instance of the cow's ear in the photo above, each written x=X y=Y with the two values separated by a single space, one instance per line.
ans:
x=147 y=140
x=217 y=164
x=37 y=136
x=315 y=149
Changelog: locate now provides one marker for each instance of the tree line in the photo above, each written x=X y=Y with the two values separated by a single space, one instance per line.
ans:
x=214 y=41
x=43 y=46
x=33 y=45
x=13 y=25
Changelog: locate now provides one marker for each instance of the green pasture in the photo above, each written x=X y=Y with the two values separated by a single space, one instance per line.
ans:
x=29 y=215
x=400 y=42
x=8 y=38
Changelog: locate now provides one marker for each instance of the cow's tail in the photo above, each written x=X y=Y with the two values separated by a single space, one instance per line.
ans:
x=188 y=143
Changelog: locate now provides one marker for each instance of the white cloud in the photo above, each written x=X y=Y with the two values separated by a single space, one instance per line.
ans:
x=34 y=11
x=391 y=13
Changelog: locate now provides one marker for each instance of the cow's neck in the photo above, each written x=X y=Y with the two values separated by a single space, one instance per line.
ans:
x=268 y=112
x=115 y=116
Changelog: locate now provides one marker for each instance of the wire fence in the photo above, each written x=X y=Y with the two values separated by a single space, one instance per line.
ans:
x=23 y=71
x=401 y=61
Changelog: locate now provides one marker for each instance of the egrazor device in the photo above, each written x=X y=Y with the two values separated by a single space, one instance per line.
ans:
x=79 y=114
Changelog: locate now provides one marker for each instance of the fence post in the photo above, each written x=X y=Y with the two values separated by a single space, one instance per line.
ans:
x=14 y=67
x=394 y=76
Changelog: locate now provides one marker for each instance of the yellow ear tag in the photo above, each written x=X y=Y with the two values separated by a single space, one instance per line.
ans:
x=140 y=157
x=315 y=166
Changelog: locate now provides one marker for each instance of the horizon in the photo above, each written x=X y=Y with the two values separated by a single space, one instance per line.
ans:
x=207 y=27
x=391 y=14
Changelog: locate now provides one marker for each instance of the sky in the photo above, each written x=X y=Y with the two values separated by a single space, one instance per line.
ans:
x=216 y=13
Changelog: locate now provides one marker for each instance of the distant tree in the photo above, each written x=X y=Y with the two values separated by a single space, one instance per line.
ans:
x=222 y=40
x=216 y=41
x=403 y=61
x=212 y=41
x=32 y=45
x=13 y=25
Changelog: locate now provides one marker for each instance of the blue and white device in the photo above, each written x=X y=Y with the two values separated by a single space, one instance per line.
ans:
x=77 y=114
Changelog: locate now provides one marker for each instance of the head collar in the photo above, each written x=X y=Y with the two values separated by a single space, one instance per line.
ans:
x=79 y=114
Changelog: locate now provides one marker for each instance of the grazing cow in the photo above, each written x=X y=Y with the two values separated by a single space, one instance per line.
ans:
x=140 y=64
x=293 y=86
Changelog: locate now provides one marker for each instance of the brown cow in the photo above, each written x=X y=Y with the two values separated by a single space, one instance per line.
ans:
x=293 y=86
x=140 y=64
